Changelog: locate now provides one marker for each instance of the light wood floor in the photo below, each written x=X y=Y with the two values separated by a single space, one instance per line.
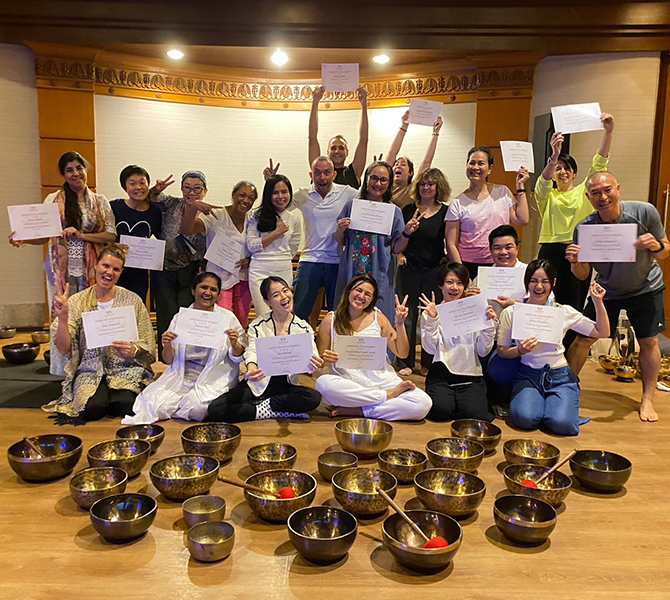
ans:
x=603 y=546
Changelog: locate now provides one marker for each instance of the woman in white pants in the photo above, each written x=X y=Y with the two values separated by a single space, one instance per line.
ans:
x=356 y=392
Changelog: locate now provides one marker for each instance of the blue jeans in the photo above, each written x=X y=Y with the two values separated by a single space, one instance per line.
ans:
x=309 y=279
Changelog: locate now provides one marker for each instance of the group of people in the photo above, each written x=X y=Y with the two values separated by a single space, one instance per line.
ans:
x=374 y=285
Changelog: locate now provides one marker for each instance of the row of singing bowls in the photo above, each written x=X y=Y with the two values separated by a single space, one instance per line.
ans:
x=123 y=517
x=322 y=534
x=218 y=440
x=183 y=476
x=454 y=493
x=531 y=452
x=553 y=490
x=484 y=433
x=402 y=463
x=273 y=509
x=59 y=454
x=267 y=457
x=21 y=354
x=356 y=489
x=363 y=437
x=201 y=509
x=601 y=471
x=92 y=484
x=455 y=453
x=129 y=455
x=330 y=463
x=523 y=519
x=210 y=541
x=154 y=434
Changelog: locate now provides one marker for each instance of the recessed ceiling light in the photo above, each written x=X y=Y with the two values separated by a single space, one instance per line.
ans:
x=381 y=59
x=280 y=57
x=176 y=54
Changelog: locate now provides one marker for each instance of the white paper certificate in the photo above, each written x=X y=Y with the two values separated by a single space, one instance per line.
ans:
x=285 y=354
x=339 y=78
x=542 y=322
x=516 y=155
x=463 y=316
x=357 y=352
x=225 y=252
x=607 y=243
x=35 y=221
x=424 y=112
x=374 y=217
x=576 y=118
x=107 y=325
x=202 y=328
x=501 y=281
x=144 y=253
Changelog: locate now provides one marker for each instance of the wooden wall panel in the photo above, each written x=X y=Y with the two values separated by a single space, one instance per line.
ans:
x=52 y=149
x=66 y=114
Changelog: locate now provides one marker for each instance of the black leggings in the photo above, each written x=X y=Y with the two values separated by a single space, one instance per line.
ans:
x=109 y=402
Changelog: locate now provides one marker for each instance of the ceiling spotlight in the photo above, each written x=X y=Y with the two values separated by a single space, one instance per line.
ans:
x=176 y=54
x=381 y=59
x=280 y=57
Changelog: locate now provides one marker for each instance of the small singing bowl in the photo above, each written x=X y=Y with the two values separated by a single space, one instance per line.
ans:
x=356 y=490
x=322 y=534
x=609 y=361
x=408 y=548
x=454 y=493
x=553 y=490
x=92 y=484
x=278 y=510
x=59 y=454
x=601 y=471
x=201 y=509
x=484 y=433
x=332 y=462
x=40 y=337
x=455 y=453
x=363 y=437
x=154 y=434
x=21 y=354
x=402 y=463
x=211 y=541
x=184 y=476
x=123 y=517
x=129 y=455
x=218 y=440
x=531 y=452
x=625 y=372
x=523 y=519
x=268 y=457
x=664 y=370
x=7 y=333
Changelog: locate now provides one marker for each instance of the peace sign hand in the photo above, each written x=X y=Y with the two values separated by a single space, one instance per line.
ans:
x=429 y=305
x=161 y=184
x=413 y=223
x=401 y=310
x=60 y=305
x=270 y=171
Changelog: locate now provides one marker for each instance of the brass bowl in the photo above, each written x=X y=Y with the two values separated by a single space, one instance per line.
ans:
x=363 y=437
x=92 y=484
x=123 y=517
x=21 y=354
x=7 y=333
x=154 y=434
x=332 y=462
x=60 y=454
x=407 y=547
x=531 y=452
x=274 y=509
x=201 y=509
x=553 y=490
x=183 y=476
x=664 y=370
x=40 y=337
x=609 y=361
x=218 y=440
x=211 y=541
x=523 y=519
x=268 y=457
x=602 y=471
x=455 y=453
x=484 y=433
x=322 y=534
x=129 y=455
x=402 y=463
x=454 y=493
x=625 y=372
x=356 y=489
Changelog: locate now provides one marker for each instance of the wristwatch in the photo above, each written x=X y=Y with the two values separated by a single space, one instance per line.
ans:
x=660 y=249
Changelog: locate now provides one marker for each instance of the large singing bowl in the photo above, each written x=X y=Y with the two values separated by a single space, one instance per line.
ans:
x=523 y=519
x=154 y=434
x=322 y=534
x=601 y=471
x=455 y=453
x=218 y=440
x=183 y=476
x=363 y=437
x=129 y=455
x=357 y=489
x=553 y=490
x=123 y=517
x=531 y=452
x=278 y=510
x=93 y=484
x=454 y=493
x=59 y=454
x=485 y=433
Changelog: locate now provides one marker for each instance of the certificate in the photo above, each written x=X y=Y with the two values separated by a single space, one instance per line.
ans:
x=501 y=281
x=144 y=253
x=424 y=112
x=607 y=243
x=225 y=252
x=339 y=78
x=285 y=354
x=516 y=155
x=357 y=352
x=202 y=328
x=463 y=316
x=542 y=322
x=576 y=118
x=371 y=216
x=107 y=325
x=35 y=221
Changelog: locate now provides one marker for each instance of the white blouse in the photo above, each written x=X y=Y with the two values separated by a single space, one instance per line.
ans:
x=222 y=222
x=283 y=248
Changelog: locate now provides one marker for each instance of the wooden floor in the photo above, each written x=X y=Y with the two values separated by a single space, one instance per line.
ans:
x=605 y=547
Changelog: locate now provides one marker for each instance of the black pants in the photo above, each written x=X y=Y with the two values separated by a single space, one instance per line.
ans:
x=239 y=404
x=135 y=280
x=473 y=268
x=109 y=402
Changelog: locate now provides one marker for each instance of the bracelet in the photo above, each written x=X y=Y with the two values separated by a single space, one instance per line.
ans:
x=660 y=249
x=521 y=191
x=406 y=235
x=436 y=134
x=401 y=129
x=519 y=349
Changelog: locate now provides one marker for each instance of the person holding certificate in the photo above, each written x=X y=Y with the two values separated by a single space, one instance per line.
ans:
x=366 y=392
x=103 y=380
x=546 y=390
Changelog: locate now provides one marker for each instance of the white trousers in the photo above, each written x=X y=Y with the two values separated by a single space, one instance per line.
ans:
x=258 y=271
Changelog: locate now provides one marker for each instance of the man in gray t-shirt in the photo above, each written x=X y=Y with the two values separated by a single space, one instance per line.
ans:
x=636 y=286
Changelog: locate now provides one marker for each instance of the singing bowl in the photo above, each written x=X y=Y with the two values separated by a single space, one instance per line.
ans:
x=201 y=509
x=322 y=534
x=183 y=476
x=356 y=489
x=331 y=462
x=553 y=490
x=274 y=509
x=609 y=361
x=601 y=471
x=123 y=517
x=523 y=519
x=7 y=333
x=218 y=440
x=407 y=547
x=402 y=463
x=92 y=484
x=455 y=453
x=663 y=371
x=40 y=337
x=21 y=354
x=484 y=433
x=454 y=493
x=625 y=372
x=154 y=434
x=363 y=437
x=530 y=452
x=272 y=456
x=129 y=455
x=211 y=541
x=60 y=454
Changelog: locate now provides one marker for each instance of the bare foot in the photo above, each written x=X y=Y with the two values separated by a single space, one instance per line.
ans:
x=405 y=386
x=647 y=412
x=345 y=411
x=405 y=372
x=424 y=371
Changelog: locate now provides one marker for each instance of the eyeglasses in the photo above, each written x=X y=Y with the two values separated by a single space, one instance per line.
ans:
x=196 y=190
x=429 y=184
x=375 y=179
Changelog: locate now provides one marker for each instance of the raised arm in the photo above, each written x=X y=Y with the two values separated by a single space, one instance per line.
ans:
x=361 y=154
x=602 y=328
x=397 y=336
x=608 y=123
x=62 y=339
x=581 y=270
x=556 y=144
x=314 y=150
x=519 y=214
x=432 y=146
x=392 y=154
x=190 y=223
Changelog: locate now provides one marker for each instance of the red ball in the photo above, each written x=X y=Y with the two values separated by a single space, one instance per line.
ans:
x=286 y=493
x=529 y=483
x=437 y=542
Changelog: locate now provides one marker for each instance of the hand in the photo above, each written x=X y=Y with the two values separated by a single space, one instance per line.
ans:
x=254 y=373
x=330 y=357
x=405 y=119
x=362 y=94
x=471 y=290
x=243 y=264
x=376 y=158
x=402 y=260
x=527 y=345
x=281 y=228
x=413 y=224
x=317 y=93
x=521 y=177
x=491 y=314
x=597 y=291
x=126 y=349
x=647 y=242
x=270 y=171
x=61 y=307
x=205 y=208
x=505 y=301
x=167 y=338
x=71 y=233
x=608 y=122
x=401 y=310
x=316 y=362
x=556 y=144
x=572 y=253
x=428 y=305
x=343 y=225
x=161 y=184
x=234 y=339
x=15 y=243
x=436 y=126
